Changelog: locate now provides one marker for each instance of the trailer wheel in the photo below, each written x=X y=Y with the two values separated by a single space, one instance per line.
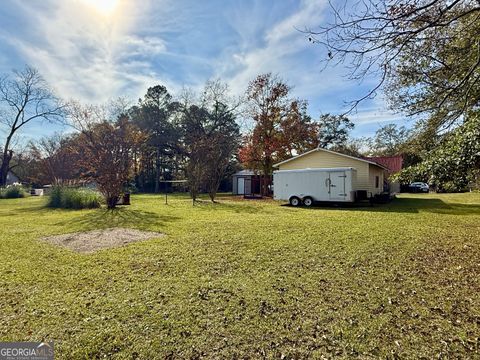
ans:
x=294 y=201
x=308 y=201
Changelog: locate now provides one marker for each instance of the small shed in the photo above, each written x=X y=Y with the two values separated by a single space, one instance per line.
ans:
x=248 y=182
x=242 y=182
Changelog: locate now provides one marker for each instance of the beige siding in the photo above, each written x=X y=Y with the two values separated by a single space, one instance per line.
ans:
x=374 y=172
x=321 y=159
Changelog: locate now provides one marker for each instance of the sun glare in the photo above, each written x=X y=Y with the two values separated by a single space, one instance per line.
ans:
x=104 y=7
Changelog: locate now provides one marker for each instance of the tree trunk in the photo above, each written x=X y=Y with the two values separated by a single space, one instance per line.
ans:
x=3 y=173
x=112 y=201
x=7 y=156
x=263 y=181
x=213 y=189
x=157 y=171
x=214 y=185
x=193 y=192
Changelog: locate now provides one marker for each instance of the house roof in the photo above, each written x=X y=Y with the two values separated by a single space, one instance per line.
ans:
x=246 y=172
x=11 y=173
x=393 y=163
x=331 y=152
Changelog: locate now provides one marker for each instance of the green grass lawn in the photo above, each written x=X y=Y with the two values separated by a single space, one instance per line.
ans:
x=248 y=279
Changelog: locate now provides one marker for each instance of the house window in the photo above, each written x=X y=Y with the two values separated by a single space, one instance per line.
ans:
x=377 y=181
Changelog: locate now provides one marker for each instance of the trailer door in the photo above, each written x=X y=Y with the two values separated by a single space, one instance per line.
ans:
x=337 y=185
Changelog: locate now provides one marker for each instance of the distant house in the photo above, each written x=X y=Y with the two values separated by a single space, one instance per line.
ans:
x=394 y=164
x=12 y=178
x=369 y=174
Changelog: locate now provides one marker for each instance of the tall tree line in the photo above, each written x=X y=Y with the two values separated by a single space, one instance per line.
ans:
x=193 y=138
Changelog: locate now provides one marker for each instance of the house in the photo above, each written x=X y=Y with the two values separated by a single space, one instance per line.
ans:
x=369 y=174
x=12 y=178
x=394 y=164
x=248 y=182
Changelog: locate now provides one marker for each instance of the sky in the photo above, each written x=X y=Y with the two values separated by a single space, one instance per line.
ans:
x=98 y=50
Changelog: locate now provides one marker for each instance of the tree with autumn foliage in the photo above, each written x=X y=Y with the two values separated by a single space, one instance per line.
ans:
x=108 y=156
x=281 y=126
x=106 y=150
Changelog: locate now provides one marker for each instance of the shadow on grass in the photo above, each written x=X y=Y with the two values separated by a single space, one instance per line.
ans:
x=37 y=209
x=120 y=217
x=414 y=205
x=223 y=204
x=405 y=205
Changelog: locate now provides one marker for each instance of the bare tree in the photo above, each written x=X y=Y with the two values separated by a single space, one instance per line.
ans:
x=56 y=157
x=82 y=116
x=424 y=53
x=223 y=136
x=24 y=98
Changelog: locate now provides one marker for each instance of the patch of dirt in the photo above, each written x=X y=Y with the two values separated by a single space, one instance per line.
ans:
x=91 y=241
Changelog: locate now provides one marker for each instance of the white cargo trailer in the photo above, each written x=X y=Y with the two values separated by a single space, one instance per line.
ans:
x=305 y=186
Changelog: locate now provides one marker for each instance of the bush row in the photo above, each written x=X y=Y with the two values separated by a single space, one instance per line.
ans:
x=73 y=198
x=12 y=192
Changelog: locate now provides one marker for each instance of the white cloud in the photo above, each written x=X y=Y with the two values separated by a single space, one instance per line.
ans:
x=279 y=52
x=370 y=117
x=96 y=56
x=86 y=55
x=375 y=116
x=135 y=45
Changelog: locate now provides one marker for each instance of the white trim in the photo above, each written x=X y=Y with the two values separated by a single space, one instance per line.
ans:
x=331 y=152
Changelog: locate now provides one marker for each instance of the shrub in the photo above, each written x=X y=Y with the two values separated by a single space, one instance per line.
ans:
x=73 y=198
x=454 y=164
x=12 y=192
